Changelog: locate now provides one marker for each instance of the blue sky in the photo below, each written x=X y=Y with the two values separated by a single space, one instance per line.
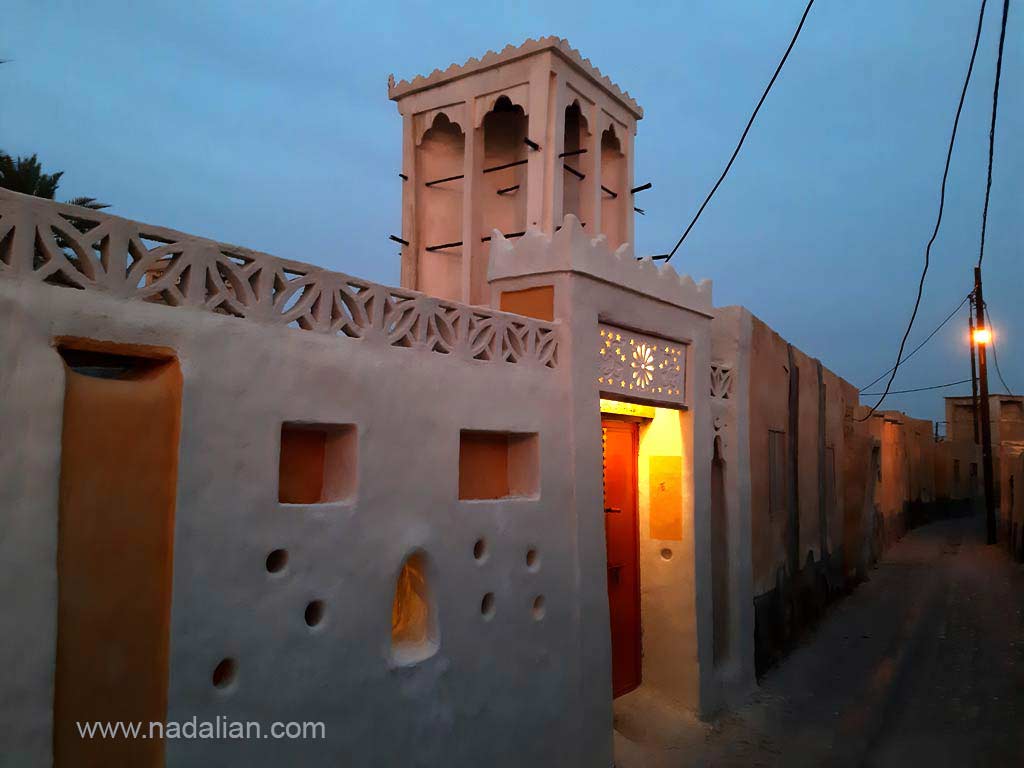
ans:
x=268 y=125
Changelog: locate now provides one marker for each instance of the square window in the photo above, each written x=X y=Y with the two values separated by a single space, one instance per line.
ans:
x=497 y=465
x=318 y=463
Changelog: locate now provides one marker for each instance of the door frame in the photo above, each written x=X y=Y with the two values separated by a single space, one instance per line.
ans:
x=631 y=424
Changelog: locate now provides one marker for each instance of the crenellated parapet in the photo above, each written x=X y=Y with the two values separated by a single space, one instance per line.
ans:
x=571 y=249
x=510 y=53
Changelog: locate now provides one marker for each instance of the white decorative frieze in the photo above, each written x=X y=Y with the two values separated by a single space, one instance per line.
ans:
x=639 y=366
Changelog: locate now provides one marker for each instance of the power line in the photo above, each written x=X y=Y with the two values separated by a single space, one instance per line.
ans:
x=926 y=340
x=992 y=129
x=922 y=389
x=938 y=218
x=750 y=122
x=995 y=355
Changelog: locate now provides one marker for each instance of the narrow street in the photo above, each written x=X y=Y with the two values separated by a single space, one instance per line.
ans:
x=924 y=663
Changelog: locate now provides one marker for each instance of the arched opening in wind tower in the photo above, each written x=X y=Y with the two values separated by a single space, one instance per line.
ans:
x=502 y=184
x=613 y=191
x=576 y=163
x=439 y=157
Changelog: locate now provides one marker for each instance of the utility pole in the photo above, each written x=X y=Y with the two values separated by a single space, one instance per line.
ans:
x=986 y=426
x=974 y=372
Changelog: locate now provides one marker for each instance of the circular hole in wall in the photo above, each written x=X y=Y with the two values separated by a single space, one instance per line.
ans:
x=480 y=549
x=666 y=554
x=224 y=673
x=277 y=560
x=487 y=605
x=314 y=613
x=538 y=607
x=532 y=559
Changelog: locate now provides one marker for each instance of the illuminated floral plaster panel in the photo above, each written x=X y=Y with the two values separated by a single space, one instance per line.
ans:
x=636 y=365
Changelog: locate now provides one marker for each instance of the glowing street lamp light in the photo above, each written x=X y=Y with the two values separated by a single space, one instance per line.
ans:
x=982 y=336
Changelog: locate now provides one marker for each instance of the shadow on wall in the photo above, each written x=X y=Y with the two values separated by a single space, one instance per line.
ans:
x=790 y=610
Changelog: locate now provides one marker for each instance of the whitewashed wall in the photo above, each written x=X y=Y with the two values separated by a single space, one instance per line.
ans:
x=503 y=692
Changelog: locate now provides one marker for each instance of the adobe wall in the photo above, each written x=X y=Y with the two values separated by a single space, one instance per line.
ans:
x=800 y=509
x=861 y=470
x=730 y=408
x=921 y=479
x=1006 y=416
x=505 y=687
x=953 y=460
x=1011 y=507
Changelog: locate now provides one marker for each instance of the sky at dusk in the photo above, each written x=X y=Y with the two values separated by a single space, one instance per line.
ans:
x=268 y=125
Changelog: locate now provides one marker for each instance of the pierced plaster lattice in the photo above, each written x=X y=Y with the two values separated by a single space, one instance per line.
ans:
x=73 y=247
x=721 y=381
x=639 y=365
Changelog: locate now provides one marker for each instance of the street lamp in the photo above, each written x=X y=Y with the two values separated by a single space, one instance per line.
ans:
x=981 y=336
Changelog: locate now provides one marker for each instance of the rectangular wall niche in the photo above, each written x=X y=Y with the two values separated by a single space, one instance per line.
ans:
x=118 y=482
x=638 y=365
x=318 y=463
x=538 y=302
x=666 y=497
x=497 y=465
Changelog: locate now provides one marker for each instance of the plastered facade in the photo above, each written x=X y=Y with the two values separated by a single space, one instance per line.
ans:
x=522 y=309
x=241 y=380
x=596 y=289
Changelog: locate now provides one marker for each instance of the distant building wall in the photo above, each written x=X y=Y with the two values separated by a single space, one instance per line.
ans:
x=957 y=472
x=1006 y=416
x=1011 y=508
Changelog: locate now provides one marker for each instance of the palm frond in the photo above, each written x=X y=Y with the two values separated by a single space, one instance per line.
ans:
x=88 y=202
x=25 y=175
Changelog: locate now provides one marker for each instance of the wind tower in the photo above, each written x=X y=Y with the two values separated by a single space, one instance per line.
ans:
x=514 y=140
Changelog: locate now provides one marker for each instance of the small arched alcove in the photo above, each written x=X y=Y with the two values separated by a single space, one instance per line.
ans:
x=439 y=163
x=719 y=557
x=414 y=632
x=576 y=166
x=613 y=188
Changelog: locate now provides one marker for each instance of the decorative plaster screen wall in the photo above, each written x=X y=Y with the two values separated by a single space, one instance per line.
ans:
x=70 y=246
x=638 y=365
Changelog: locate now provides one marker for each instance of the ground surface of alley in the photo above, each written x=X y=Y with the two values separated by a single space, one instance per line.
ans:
x=921 y=665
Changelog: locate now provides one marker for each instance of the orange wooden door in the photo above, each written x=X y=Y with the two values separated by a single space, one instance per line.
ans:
x=623 y=543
